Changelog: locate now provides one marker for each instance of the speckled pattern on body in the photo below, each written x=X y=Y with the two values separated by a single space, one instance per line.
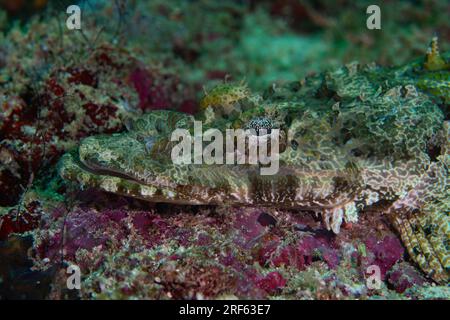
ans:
x=357 y=137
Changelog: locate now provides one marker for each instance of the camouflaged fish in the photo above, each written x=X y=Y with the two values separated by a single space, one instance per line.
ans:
x=354 y=138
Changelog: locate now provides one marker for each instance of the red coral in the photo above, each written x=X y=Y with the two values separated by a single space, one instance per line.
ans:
x=26 y=220
x=55 y=88
x=299 y=255
x=403 y=276
x=100 y=116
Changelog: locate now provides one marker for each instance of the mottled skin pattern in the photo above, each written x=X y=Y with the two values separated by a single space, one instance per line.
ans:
x=357 y=137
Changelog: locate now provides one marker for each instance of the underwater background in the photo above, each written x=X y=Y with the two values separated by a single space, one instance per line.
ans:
x=355 y=96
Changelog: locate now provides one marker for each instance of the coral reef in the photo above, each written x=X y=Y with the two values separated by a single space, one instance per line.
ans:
x=86 y=176
x=175 y=252
x=232 y=252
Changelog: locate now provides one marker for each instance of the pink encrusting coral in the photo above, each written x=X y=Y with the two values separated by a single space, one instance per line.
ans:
x=37 y=124
x=179 y=254
x=403 y=276
x=364 y=152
